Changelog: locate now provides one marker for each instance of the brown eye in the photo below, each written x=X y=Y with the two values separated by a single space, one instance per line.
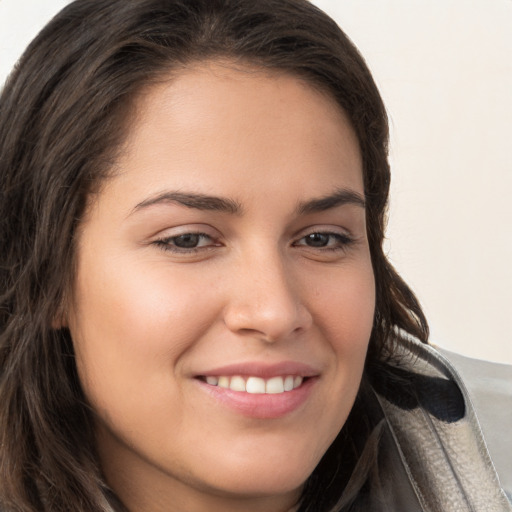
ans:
x=324 y=240
x=317 y=239
x=187 y=241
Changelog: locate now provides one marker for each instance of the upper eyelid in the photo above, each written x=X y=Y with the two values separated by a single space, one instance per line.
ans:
x=176 y=231
x=325 y=232
x=213 y=233
x=325 y=229
x=194 y=233
x=168 y=244
x=170 y=238
x=346 y=237
x=166 y=240
x=183 y=233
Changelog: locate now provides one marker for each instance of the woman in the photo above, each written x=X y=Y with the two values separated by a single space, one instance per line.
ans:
x=196 y=310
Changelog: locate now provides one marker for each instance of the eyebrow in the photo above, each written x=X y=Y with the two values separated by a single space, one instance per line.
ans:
x=196 y=201
x=340 y=197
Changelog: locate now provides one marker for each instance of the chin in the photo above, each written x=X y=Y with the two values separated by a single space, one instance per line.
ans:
x=251 y=486
x=264 y=476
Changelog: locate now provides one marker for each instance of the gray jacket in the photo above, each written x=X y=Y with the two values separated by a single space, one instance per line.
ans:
x=433 y=454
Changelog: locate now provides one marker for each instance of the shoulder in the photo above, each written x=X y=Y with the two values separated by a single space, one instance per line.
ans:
x=431 y=412
x=489 y=386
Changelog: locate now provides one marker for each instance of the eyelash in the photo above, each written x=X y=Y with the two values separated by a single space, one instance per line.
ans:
x=166 y=243
x=342 y=242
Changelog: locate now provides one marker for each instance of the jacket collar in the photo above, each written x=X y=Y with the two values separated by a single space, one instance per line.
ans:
x=432 y=450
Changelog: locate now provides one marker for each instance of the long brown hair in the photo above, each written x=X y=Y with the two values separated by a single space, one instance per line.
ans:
x=63 y=113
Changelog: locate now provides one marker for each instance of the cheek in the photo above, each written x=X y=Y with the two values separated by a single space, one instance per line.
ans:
x=344 y=305
x=126 y=302
x=131 y=326
x=344 y=310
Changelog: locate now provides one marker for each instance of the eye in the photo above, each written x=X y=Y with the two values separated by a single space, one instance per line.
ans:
x=186 y=242
x=189 y=240
x=325 y=240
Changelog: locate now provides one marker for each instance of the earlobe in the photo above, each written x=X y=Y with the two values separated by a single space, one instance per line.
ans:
x=60 y=318
x=59 y=321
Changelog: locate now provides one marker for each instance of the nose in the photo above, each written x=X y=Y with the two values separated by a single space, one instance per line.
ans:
x=265 y=301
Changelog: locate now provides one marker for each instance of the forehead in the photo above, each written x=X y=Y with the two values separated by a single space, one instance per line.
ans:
x=217 y=123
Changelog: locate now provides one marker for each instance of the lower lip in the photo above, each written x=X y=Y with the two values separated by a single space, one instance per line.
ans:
x=262 y=405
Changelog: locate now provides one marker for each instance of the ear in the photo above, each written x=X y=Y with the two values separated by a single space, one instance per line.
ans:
x=60 y=319
x=59 y=323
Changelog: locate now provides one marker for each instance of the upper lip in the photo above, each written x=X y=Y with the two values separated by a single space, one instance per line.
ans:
x=263 y=370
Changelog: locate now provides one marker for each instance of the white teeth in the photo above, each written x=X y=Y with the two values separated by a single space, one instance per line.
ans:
x=213 y=381
x=223 y=382
x=237 y=384
x=256 y=385
x=274 y=385
x=288 y=383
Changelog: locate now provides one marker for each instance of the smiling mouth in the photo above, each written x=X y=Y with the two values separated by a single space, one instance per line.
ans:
x=256 y=385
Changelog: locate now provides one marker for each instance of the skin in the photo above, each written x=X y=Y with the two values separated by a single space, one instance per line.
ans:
x=146 y=320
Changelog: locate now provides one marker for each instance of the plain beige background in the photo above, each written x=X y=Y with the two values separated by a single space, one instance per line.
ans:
x=444 y=68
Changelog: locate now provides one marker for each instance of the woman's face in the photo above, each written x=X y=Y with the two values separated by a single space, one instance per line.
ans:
x=224 y=294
